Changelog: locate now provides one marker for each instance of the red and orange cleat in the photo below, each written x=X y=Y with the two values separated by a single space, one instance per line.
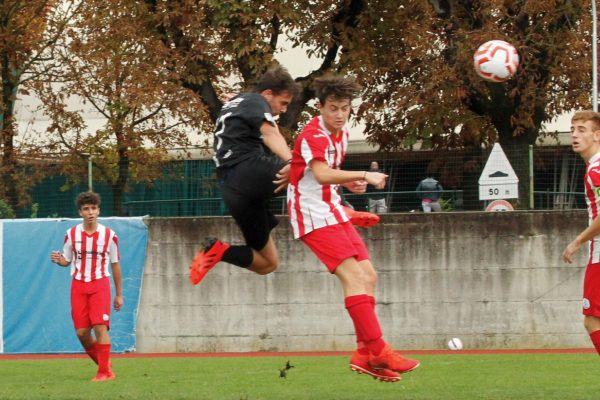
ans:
x=101 y=376
x=361 y=218
x=389 y=359
x=206 y=259
x=360 y=364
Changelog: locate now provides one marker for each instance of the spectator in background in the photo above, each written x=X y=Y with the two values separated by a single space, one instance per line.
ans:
x=376 y=199
x=430 y=190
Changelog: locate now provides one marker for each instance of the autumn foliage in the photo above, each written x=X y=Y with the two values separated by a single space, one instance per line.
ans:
x=155 y=71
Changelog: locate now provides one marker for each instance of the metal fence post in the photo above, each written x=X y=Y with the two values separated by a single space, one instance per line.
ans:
x=90 y=180
x=531 y=198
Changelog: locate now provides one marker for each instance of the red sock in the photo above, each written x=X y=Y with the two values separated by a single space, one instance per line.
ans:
x=360 y=344
x=103 y=353
x=361 y=348
x=360 y=340
x=595 y=336
x=365 y=321
x=91 y=351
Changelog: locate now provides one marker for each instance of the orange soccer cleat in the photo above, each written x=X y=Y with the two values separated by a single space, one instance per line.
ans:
x=360 y=364
x=206 y=259
x=361 y=218
x=102 y=376
x=389 y=359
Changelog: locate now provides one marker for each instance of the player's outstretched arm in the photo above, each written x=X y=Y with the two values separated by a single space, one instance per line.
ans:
x=356 y=186
x=328 y=176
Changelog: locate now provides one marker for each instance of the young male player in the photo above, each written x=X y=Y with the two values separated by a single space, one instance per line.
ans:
x=90 y=248
x=318 y=220
x=252 y=159
x=585 y=137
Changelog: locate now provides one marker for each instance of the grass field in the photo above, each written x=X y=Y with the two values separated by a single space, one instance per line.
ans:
x=447 y=376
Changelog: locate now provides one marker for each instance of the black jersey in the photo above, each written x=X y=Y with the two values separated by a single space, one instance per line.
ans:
x=237 y=133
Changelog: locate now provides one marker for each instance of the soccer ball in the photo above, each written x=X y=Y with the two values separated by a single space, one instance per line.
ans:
x=496 y=61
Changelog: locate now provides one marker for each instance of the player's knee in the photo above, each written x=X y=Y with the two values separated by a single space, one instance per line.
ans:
x=267 y=269
x=591 y=323
x=82 y=333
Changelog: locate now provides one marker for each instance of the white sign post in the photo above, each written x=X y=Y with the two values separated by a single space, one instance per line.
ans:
x=498 y=179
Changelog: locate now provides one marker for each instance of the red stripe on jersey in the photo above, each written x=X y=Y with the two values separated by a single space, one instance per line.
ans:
x=94 y=262
x=298 y=213
x=591 y=176
x=83 y=255
x=593 y=207
x=104 y=260
x=92 y=253
x=594 y=174
x=310 y=204
x=591 y=180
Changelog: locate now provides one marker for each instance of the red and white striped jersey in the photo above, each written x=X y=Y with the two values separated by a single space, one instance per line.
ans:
x=312 y=205
x=91 y=255
x=592 y=198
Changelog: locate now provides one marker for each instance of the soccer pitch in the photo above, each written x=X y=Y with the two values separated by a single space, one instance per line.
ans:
x=459 y=376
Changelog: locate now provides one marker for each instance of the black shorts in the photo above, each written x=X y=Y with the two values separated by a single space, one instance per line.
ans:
x=247 y=188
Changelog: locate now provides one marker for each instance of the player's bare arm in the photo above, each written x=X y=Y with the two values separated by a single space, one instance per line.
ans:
x=356 y=186
x=586 y=235
x=116 y=273
x=325 y=175
x=275 y=141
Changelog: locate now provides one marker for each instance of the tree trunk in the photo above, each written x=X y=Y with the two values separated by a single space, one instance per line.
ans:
x=119 y=186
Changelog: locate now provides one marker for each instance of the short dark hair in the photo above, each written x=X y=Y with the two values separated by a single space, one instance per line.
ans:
x=587 y=115
x=336 y=87
x=278 y=80
x=88 y=197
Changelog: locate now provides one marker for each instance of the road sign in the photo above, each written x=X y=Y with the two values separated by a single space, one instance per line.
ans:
x=499 y=205
x=498 y=179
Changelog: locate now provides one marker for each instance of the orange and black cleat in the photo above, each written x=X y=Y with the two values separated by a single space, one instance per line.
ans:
x=206 y=259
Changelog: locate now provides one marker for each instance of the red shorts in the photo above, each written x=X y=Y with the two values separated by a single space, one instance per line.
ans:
x=90 y=303
x=591 y=290
x=335 y=243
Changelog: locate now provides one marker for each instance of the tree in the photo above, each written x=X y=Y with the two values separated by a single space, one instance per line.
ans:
x=28 y=32
x=155 y=69
x=445 y=104
x=414 y=59
x=217 y=40
x=114 y=66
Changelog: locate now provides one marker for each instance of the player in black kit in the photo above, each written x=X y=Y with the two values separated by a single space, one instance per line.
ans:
x=252 y=161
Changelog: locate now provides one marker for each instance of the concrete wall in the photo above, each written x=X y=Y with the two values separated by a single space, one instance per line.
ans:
x=496 y=280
